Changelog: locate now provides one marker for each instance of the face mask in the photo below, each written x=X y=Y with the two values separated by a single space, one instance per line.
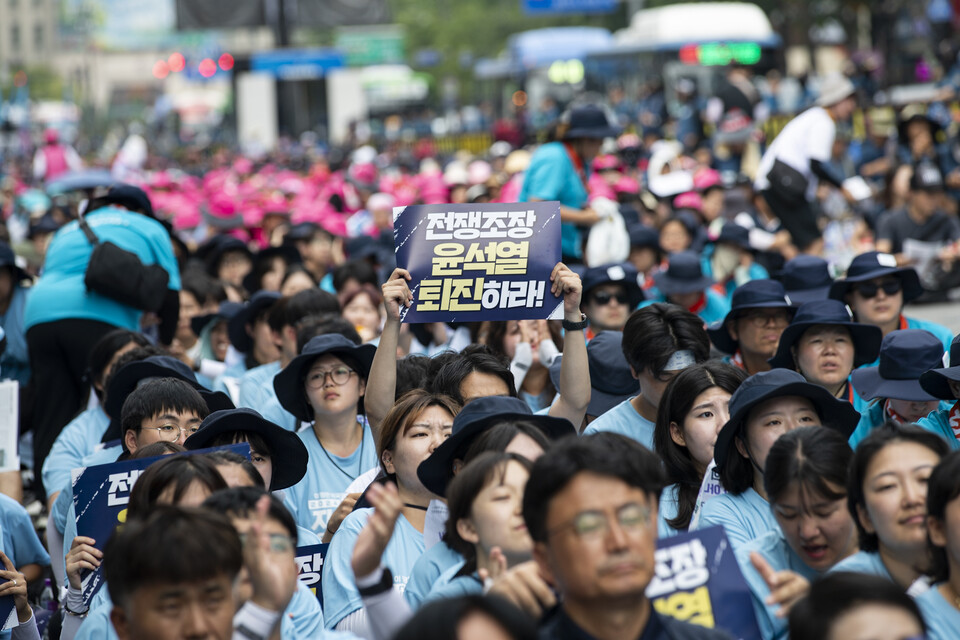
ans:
x=725 y=261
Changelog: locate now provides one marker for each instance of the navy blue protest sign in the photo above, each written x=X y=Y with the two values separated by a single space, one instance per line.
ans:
x=8 y=611
x=310 y=567
x=472 y=262
x=100 y=497
x=697 y=580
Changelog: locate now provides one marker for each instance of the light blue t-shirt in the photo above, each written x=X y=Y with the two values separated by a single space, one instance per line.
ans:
x=942 y=618
x=939 y=423
x=314 y=499
x=340 y=595
x=774 y=548
x=552 y=176
x=77 y=440
x=625 y=420
x=451 y=585
x=273 y=411
x=302 y=620
x=60 y=292
x=716 y=308
x=744 y=517
x=872 y=416
x=19 y=538
x=429 y=570
x=868 y=562
x=667 y=510
x=256 y=386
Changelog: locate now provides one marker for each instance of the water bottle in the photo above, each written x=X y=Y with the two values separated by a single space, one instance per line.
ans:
x=47 y=599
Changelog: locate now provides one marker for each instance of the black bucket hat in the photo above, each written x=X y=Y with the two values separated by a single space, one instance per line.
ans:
x=226 y=312
x=936 y=382
x=874 y=264
x=476 y=417
x=733 y=234
x=682 y=275
x=588 y=121
x=755 y=294
x=643 y=236
x=617 y=273
x=214 y=250
x=289 y=383
x=777 y=383
x=289 y=254
x=806 y=279
x=866 y=337
x=237 y=328
x=288 y=453
x=611 y=381
x=132 y=374
x=905 y=355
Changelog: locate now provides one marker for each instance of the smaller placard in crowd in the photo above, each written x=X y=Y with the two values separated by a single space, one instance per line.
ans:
x=473 y=262
x=697 y=580
x=310 y=567
x=100 y=496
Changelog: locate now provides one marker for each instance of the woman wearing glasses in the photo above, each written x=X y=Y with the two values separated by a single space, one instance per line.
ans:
x=876 y=290
x=806 y=483
x=325 y=385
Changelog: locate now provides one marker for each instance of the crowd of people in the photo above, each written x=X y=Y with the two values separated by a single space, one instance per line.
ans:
x=734 y=351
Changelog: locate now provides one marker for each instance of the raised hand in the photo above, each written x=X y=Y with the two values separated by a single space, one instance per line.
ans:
x=377 y=532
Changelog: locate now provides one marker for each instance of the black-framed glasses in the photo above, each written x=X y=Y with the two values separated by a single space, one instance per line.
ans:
x=592 y=525
x=871 y=289
x=603 y=298
x=339 y=375
x=171 y=432
x=760 y=319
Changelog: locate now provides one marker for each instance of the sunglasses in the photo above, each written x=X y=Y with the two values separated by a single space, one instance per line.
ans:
x=603 y=298
x=871 y=289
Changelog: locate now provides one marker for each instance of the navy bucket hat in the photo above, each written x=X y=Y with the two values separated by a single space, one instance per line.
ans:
x=866 y=337
x=806 y=279
x=778 y=383
x=476 y=417
x=936 y=382
x=755 y=294
x=905 y=355
x=616 y=273
x=683 y=275
x=871 y=265
x=611 y=381
x=289 y=382
x=237 y=328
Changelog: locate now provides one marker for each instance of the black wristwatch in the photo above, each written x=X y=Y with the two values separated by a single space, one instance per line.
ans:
x=575 y=326
x=385 y=584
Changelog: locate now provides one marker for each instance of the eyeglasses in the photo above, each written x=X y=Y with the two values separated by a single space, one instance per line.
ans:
x=279 y=542
x=171 y=433
x=871 y=289
x=592 y=525
x=603 y=298
x=340 y=375
x=760 y=319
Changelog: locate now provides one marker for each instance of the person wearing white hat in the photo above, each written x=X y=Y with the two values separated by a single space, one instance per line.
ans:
x=798 y=158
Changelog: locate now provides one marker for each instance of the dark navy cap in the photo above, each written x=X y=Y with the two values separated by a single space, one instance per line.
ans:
x=866 y=337
x=755 y=294
x=874 y=264
x=905 y=355
x=683 y=275
x=936 y=382
x=806 y=279
x=618 y=273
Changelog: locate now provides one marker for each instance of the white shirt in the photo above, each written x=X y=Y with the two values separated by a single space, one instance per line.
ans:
x=807 y=137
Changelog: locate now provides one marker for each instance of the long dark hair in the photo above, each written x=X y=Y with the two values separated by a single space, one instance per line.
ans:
x=675 y=404
x=887 y=434
x=943 y=487
x=815 y=457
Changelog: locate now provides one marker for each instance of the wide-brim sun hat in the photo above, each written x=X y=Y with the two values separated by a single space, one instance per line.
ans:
x=905 y=355
x=611 y=381
x=288 y=384
x=755 y=294
x=237 y=327
x=288 y=454
x=835 y=88
x=806 y=279
x=622 y=273
x=936 y=382
x=873 y=264
x=588 y=121
x=778 y=383
x=226 y=312
x=682 y=275
x=866 y=337
x=476 y=417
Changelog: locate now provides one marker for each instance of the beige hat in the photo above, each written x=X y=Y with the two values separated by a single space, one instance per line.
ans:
x=517 y=161
x=835 y=88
